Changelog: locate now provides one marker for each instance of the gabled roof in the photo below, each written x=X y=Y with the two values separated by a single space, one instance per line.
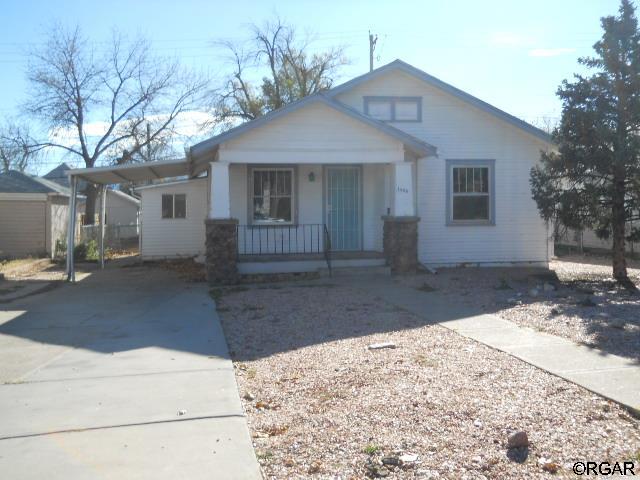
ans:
x=412 y=143
x=439 y=84
x=59 y=174
x=19 y=182
x=124 y=196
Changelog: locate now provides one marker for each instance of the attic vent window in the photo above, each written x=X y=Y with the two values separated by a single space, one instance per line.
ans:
x=394 y=109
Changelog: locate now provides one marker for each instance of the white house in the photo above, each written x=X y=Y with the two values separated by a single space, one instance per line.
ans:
x=394 y=166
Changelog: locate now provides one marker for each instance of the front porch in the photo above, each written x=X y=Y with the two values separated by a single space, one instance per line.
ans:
x=294 y=218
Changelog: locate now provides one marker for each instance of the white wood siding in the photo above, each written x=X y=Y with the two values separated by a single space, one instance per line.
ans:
x=23 y=227
x=461 y=131
x=179 y=237
x=316 y=134
x=120 y=211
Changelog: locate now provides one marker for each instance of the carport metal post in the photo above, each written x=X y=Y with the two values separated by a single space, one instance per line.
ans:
x=103 y=217
x=71 y=230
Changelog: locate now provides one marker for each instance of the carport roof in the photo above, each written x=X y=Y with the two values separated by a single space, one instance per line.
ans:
x=132 y=172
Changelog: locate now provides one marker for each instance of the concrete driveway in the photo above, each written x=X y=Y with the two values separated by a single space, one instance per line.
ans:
x=125 y=375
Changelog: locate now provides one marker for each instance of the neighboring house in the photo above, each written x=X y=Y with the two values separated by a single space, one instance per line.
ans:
x=588 y=240
x=121 y=209
x=33 y=215
x=394 y=166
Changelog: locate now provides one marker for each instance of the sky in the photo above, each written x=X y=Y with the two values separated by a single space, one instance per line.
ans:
x=511 y=54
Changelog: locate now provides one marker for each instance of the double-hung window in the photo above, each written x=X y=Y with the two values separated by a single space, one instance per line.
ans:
x=394 y=109
x=273 y=195
x=174 y=205
x=470 y=192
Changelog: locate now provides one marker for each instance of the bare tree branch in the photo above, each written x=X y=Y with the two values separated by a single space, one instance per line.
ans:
x=74 y=92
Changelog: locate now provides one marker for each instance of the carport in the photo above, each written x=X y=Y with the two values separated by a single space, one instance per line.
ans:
x=103 y=176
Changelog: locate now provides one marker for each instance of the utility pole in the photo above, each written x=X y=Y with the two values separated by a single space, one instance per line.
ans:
x=372 y=46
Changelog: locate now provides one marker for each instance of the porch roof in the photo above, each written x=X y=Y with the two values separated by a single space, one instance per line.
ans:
x=132 y=172
x=203 y=151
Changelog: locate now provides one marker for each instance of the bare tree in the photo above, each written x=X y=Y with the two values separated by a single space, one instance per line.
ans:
x=17 y=147
x=290 y=72
x=96 y=105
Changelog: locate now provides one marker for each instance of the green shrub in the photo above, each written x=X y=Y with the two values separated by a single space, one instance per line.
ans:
x=86 y=251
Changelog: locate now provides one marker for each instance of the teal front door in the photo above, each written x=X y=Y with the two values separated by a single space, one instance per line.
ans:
x=344 y=216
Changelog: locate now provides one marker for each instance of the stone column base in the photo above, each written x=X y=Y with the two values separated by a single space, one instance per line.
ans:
x=221 y=251
x=400 y=243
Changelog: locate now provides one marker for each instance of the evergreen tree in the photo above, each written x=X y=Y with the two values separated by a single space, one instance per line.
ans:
x=593 y=179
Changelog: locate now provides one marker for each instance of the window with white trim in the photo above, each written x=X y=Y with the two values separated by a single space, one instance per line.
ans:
x=174 y=205
x=471 y=193
x=272 y=199
x=394 y=109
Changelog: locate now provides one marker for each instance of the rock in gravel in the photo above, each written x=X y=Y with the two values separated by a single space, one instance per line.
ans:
x=379 y=346
x=408 y=458
x=249 y=396
x=550 y=467
x=587 y=301
x=392 y=460
x=554 y=312
x=477 y=423
x=518 y=440
x=617 y=323
x=376 y=471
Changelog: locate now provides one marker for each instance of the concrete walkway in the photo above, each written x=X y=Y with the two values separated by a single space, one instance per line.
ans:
x=125 y=375
x=611 y=376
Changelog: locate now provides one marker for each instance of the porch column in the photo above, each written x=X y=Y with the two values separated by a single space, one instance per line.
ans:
x=400 y=231
x=403 y=199
x=219 y=201
x=71 y=230
x=221 y=230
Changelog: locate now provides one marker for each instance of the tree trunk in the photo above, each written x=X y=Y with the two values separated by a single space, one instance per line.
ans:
x=91 y=193
x=618 y=249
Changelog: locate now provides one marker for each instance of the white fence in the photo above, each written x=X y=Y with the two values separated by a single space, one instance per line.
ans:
x=589 y=240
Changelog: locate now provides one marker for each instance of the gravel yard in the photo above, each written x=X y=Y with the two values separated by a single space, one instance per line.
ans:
x=321 y=405
x=581 y=302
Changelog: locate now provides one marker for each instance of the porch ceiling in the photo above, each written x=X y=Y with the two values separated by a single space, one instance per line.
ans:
x=132 y=173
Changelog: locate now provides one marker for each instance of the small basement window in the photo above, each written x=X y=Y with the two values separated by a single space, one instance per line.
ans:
x=471 y=192
x=394 y=109
x=174 y=205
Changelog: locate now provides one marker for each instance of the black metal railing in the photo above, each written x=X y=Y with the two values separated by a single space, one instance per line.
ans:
x=306 y=238
x=327 y=248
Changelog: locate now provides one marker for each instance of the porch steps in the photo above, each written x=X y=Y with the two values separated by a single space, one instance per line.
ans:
x=356 y=271
x=359 y=263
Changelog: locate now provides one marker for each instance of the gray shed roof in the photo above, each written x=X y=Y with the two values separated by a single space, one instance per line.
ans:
x=439 y=84
x=19 y=182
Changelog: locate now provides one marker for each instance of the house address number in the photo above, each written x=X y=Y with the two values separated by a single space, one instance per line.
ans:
x=402 y=189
